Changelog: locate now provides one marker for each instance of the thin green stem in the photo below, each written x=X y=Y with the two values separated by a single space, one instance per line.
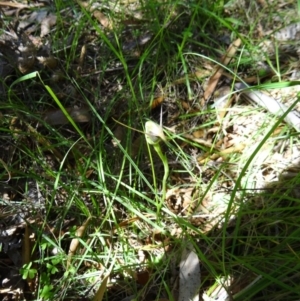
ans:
x=166 y=173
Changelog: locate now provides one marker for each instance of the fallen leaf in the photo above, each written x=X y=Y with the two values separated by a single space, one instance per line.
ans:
x=26 y=246
x=157 y=101
x=100 y=293
x=75 y=241
x=222 y=99
x=214 y=79
x=105 y=22
x=57 y=117
x=46 y=24
x=19 y=5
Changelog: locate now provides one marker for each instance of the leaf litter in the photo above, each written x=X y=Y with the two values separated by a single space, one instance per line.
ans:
x=217 y=147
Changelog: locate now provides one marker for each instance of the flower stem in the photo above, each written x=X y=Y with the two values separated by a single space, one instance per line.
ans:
x=166 y=173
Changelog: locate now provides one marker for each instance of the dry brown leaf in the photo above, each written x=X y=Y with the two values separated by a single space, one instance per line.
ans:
x=42 y=18
x=231 y=51
x=104 y=21
x=127 y=222
x=199 y=134
x=200 y=141
x=46 y=24
x=222 y=100
x=192 y=138
x=131 y=220
x=180 y=200
x=81 y=58
x=100 y=293
x=57 y=117
x=214 y=79
x=26 y=246
x=157 y=101
x=84 y=4
x=48 y=62
x=185 y=105
x=19 y=5
x=224 y=153
x=75 y=241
